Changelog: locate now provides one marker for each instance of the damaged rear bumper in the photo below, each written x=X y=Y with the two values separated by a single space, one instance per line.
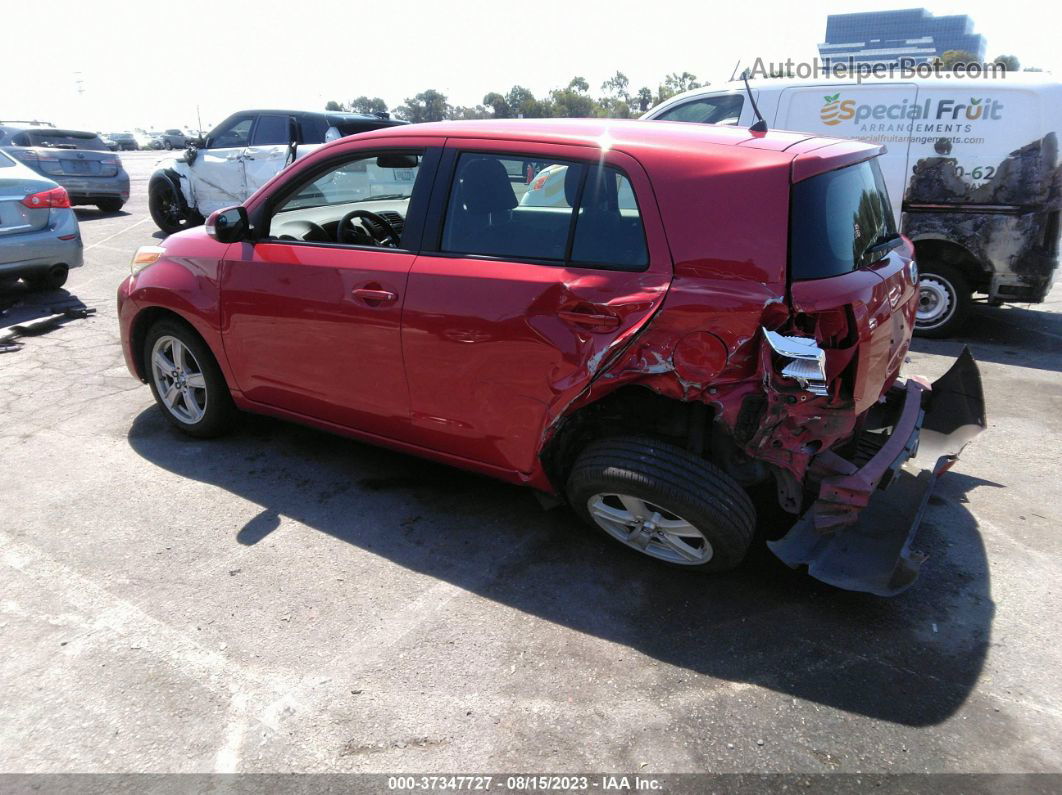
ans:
x=858 y=536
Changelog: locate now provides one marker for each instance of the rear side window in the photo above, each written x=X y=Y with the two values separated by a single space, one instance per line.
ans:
x=527 y=208
x=271 y=130
x=5 y=161
x=838 y=221
x=707 y=110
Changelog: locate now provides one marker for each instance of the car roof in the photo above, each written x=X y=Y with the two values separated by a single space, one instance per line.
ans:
x=626 y=134
x=330 y=114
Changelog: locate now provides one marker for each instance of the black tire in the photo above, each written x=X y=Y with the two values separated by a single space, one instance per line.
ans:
x=52 y=279
x=165 y=206
x=676 y=483
x=168 y=145
x=942 y=284
x=110 y=205
x=220 y=412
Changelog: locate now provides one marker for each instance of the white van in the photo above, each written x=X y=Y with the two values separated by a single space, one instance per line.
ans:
x=971 y=164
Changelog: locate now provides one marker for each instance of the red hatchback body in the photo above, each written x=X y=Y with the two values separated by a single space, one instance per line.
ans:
x=645 y=319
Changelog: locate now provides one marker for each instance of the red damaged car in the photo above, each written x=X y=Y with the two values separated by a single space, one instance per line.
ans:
x=642 y=319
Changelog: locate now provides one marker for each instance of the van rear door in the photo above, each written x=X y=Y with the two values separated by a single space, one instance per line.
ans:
x=850 y=273
x=874 y=113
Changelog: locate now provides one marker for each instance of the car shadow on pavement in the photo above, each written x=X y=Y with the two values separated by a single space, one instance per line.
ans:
x=95 y=214
x=912 y=660
x=1011 y=335
x=35 y=311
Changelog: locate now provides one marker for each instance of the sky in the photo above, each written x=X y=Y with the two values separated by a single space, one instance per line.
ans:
x=113 y=66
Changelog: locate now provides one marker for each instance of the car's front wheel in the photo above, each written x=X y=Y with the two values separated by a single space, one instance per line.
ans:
x=663 y=501
x=186 y=381
x=165 y=207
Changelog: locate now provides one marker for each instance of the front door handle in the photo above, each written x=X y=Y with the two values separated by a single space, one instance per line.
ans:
x=374 y=297
x=597 y=321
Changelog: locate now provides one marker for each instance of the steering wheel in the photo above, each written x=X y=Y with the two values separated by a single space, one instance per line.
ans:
x=377 y=223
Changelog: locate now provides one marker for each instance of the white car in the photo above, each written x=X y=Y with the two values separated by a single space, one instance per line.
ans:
x=238 y=157
x=971 y=166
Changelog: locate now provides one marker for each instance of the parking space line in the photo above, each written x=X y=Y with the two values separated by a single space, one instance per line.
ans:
x=116 y=234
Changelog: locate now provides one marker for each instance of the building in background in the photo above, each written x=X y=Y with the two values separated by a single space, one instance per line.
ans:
x=887 y=36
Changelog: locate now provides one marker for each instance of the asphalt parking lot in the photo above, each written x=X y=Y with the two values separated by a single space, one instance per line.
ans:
x=284 y=600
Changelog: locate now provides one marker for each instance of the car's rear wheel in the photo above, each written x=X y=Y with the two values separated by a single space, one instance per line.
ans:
x=663 y=502
x=51 y=279
x=186 y=380
x=944 y=300
x=165 y=207
x=110 y=205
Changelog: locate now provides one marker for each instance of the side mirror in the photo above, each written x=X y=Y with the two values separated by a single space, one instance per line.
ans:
x=229 y=225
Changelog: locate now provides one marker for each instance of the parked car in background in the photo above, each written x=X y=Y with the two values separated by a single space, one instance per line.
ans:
x=109 y=142
x=173 y=139
x=77 y=160
x=144 y=140
x=972 y=168
x=125 y=140
x=39 y=237
x=626 y=341
x=239 y=156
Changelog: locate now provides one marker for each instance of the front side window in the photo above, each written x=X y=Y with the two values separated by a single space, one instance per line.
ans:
x=522 y=208
x=361 y=201
x=236 y=133
x=271 y=130
x=724 y=109
x=839 y=221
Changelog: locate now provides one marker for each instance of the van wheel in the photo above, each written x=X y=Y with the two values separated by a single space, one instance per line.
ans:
x=664 y=502
x=165 y=206
x=110 y=205
x=186 y=380
x=944 y=299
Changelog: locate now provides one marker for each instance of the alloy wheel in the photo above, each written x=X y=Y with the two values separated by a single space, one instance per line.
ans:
x=179 y=380
x=650 y=529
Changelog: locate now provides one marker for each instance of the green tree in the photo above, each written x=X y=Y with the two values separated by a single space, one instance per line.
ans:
x=497 y=103
x=333 y=105
x=426 y=106
x=949 y=58
x=462 y=112
x=616 y=103
x=675 y=83
x=579 y=84
x=364 y=104
x=522 y=103
x=643 y=100
x=573 y=101
x=1011 y=62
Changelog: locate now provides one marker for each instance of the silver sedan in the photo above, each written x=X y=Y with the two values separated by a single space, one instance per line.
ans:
x=39 y=237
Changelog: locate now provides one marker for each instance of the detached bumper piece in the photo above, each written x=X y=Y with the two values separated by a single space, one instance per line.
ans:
x=856 y=536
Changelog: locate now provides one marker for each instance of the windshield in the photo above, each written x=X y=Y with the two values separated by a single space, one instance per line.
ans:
x=838 y=220
x=364 y=180
x=59 y=139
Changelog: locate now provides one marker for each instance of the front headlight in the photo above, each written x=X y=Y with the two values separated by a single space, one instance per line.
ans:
x=144 y=256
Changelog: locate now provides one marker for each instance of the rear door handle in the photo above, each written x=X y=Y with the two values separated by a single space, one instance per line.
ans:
x=374 y=297
x=599 y=321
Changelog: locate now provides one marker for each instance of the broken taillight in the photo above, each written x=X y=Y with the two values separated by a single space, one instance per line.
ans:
x=806 y=361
